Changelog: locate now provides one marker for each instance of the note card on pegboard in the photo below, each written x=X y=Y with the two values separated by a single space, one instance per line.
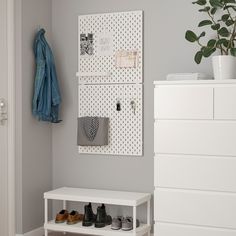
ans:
x=110 y=78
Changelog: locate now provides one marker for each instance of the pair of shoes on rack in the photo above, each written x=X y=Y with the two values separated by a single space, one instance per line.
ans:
x=125 y=224
x=100 y=220
x=71 y=218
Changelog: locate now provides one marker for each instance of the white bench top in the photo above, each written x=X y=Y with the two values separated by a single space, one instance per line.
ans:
x=98 y=196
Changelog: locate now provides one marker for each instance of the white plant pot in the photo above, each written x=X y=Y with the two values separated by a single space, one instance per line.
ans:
x=224 y=67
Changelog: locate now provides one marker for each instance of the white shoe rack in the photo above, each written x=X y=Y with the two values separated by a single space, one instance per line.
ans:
x=131 y=199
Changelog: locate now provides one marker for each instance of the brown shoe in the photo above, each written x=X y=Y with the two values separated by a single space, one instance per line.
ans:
x=62 y=216
x=74 y=217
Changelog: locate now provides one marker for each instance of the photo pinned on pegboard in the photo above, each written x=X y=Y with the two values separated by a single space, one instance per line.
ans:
x=87 y=44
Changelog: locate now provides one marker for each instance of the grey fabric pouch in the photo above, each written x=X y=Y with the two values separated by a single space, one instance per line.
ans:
x=92 y=131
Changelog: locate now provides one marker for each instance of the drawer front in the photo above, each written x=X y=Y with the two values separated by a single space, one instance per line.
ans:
x=225 y=103
x=195 y=172
x=195 y=208
x=165 y=229
x=195 y=137
x=173 y=102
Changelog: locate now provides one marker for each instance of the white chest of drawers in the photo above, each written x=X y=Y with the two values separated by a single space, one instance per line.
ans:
x=195 y=158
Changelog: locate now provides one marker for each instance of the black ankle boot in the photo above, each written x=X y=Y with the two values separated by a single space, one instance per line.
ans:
x=102 y=218
x=89 y=217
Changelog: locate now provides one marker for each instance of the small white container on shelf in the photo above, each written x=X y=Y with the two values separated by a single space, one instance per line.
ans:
x=187 y=76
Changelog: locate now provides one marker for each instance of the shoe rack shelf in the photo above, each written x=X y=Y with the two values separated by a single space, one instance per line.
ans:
x=131 y=199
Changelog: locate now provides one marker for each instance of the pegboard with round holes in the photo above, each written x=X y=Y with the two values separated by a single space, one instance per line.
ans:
x=126 y=29
x=125 y=127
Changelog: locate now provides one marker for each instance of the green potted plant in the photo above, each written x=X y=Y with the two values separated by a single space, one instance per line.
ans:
x=221 y=19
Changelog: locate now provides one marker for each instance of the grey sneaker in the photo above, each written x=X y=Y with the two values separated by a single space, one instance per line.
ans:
x=127 y=224
x=117 y=223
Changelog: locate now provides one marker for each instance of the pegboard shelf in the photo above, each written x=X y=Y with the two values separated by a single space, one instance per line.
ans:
x=93 y=74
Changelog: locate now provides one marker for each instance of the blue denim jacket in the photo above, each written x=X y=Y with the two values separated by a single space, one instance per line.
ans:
x=47 y=96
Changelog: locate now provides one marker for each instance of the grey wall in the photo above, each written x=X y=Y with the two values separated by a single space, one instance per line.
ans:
x=33 y=140
x=165 y=51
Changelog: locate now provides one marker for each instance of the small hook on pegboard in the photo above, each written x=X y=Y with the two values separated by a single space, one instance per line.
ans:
x=118 y=105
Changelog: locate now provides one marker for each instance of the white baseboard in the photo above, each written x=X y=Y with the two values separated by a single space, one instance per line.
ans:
x=35 y=232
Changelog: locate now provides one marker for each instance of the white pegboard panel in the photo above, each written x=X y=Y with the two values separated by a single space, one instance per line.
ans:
x=125 y=127
x=126 y=29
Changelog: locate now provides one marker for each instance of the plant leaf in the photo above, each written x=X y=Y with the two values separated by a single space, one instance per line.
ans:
x=208 y=51
x=211 y=43
x=205 y=22
x=202 y=35
x=206 y=9
x=226 y=43
x=215 y=27
x=213 y=10
x=198 y=57
x=225 y=17
x=229 y=22
x=191 y=36
x=200 y=2
x=221 y=41
x=233 y=52
x=216 y=3
x=223 y=32
x=229 y=1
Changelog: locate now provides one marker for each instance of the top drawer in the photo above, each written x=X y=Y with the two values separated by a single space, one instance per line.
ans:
x=225 y=103
x=188 y=102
